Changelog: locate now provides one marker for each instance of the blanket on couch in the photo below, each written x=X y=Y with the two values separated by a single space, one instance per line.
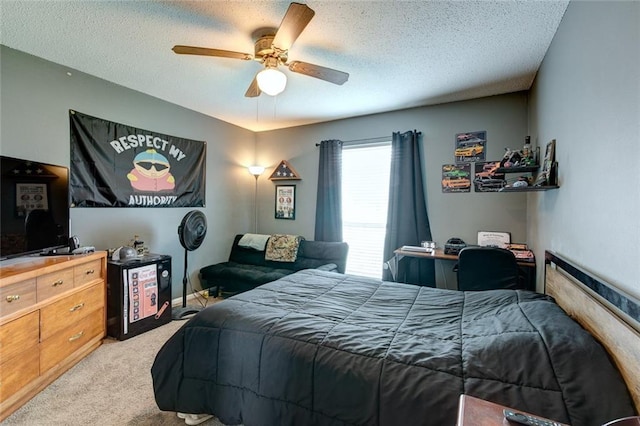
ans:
x=282 y=248
x=254 y=241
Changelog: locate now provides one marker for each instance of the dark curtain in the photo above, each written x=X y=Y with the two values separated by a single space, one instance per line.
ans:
x=407 y=221
x=329 y=198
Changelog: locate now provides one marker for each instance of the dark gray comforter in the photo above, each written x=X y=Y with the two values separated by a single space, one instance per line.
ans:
x=320 y=348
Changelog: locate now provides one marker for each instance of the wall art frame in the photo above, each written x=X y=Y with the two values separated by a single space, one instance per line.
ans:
x=285 y=202
x=470 y=146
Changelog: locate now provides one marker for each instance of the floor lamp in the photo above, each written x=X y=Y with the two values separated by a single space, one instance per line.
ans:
x=256 y=171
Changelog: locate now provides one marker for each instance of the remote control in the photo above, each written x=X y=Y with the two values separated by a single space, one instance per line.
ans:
x=83 y=250
x=523 y=419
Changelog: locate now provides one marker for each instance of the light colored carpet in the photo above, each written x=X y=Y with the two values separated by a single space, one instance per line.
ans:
x=111 y=386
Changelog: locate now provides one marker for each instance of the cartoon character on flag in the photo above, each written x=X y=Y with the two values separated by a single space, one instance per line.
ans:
x=151 y=172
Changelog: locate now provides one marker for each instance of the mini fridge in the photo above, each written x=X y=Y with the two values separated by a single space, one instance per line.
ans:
x=138 y=295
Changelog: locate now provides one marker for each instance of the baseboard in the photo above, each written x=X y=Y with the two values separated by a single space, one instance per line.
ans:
x=178 y=300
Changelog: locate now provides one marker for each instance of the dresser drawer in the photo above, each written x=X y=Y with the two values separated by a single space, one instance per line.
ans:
x=62 y=344
x=87 y=272
x=55 y=283
x=17 y=296
x=70 y=310
x=19 y=335
x=17 y=373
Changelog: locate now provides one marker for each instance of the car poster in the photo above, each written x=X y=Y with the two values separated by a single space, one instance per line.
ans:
x=486 y=178
x=470 y=146
x=456 y=178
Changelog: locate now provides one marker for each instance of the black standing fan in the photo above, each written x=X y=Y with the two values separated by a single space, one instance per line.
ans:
x=191 y=232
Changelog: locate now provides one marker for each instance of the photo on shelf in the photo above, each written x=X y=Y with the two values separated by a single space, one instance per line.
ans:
x=547 y=174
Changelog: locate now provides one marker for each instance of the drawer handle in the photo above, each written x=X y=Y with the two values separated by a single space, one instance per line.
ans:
x=76 y=336
x=89 y=272
x=57 y=283
x=13 y=298
x=78 y=306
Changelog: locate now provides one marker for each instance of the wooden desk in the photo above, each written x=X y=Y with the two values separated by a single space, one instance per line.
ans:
x=439 y=254
x=528 y=268
x=478 y=412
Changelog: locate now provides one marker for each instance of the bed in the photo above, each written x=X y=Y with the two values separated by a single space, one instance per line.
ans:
x=321 y=348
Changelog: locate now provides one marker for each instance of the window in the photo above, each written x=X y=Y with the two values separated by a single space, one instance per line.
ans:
x=365 y=195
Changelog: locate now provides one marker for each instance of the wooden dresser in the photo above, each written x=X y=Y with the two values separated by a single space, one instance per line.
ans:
x=52 y=314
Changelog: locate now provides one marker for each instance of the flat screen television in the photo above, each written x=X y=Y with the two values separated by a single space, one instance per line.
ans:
x=34 y=214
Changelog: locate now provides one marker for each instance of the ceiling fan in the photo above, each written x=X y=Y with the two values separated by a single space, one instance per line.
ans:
x=272 y=51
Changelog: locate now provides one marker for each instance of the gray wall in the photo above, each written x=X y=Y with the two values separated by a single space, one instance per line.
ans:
x=36 y=96
x=587 y=97
x=463 y=215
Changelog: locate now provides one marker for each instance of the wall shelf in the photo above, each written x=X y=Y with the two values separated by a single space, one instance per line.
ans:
x=517 y=169
x=529 y=188
x=524 y=169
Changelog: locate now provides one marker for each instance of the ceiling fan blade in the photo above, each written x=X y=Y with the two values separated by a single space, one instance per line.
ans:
x=323 y=73
x=253 y=90
x=191 y=50
x=294 y=22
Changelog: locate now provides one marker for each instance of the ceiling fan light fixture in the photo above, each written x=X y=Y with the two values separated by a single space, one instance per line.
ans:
x=271 y=81
x=272 y=50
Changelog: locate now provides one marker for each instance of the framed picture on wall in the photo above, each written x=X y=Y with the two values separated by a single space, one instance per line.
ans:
x=285 y=202
x=486 y=179
x=456 y=178
x=470 y=146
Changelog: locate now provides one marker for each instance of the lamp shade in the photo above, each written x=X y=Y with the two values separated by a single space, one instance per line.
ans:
x=256 y=170
x=271 y=81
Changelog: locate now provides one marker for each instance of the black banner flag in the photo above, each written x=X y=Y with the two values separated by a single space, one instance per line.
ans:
x=114 y=165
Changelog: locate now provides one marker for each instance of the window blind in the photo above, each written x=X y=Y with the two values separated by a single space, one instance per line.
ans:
x=365 y=195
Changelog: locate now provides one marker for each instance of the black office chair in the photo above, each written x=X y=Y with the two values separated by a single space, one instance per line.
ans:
x=487 y=268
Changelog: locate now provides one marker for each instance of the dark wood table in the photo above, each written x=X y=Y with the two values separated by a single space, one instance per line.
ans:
x=478 y=412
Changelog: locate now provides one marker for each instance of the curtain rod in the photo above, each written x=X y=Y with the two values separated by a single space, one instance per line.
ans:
x=366 y=140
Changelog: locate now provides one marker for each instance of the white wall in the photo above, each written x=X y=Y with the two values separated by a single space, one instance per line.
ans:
x=36 y=96
x=587 y=97
x=463 y=215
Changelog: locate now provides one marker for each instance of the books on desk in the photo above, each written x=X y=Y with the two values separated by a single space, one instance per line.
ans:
x=521 y=252
x=524 y=255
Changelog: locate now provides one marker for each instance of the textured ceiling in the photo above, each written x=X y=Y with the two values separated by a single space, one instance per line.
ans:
x=399 y=54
